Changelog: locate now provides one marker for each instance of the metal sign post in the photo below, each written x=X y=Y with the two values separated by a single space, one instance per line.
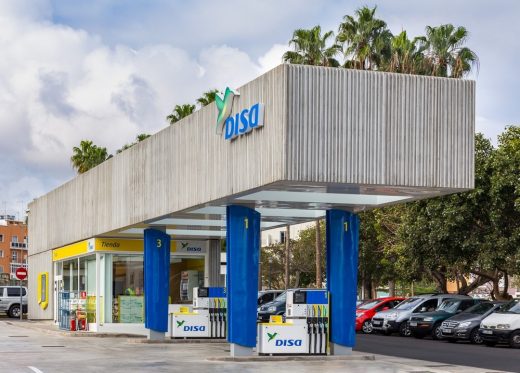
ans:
x=21 y=274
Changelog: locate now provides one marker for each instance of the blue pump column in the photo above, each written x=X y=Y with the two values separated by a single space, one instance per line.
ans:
x=242 y=251
x=156 y=282
x=342 y=234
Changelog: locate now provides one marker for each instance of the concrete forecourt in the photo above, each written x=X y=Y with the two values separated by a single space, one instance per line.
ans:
x=130 y=239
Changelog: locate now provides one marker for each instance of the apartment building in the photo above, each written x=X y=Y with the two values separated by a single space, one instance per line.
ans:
x=13 y=246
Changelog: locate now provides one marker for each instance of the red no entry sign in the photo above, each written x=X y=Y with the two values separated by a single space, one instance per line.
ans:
x=21 y=273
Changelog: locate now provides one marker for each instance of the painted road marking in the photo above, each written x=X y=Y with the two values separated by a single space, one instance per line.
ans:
x=34 y=369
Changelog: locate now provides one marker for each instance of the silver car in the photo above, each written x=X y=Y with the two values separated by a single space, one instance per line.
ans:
x=397 y=319
x=10 y=300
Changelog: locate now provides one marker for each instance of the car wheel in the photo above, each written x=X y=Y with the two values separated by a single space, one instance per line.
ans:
x=475 y=338
x=436 y=332
x=367 y=327
x=490 y=344
x=514 y=342
x=404 y=329
x=14 y=311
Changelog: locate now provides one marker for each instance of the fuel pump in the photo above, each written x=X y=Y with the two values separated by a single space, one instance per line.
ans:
x=305 y=329
x=207 y=320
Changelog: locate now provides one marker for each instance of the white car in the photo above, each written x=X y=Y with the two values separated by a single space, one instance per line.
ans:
x=503 y=326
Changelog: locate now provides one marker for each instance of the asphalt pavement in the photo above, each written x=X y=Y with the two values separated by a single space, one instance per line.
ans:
x=460 y=353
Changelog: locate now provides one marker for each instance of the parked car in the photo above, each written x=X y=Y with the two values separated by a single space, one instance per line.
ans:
x=465 y=325
x=276 y=307
x=10 y=300
x=502 y=326
x=429 y=323
x=367 y=310
x=267 y=296
x=396 y=319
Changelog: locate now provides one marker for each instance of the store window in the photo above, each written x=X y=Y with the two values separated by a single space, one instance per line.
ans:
x=127 y=289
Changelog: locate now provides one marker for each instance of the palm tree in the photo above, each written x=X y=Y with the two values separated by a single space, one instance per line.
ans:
x=207 y=97
x=406 y=56
x=445 y=52
x=179 y=112
x=87 y=156
x=311 y=48
x=138 y=138
x=366 y=39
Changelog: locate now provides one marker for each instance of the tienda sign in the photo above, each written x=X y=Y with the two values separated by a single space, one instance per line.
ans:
x=237 y=124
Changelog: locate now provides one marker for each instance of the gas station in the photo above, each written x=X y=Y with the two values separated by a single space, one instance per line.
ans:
x=296 y=144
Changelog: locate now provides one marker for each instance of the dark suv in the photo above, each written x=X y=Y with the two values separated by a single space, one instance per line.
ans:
x=465 y=325
x=267 y=296
x=276 y=307
x=429 y=323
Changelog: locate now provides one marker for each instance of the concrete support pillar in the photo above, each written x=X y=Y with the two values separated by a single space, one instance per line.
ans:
x=214 y=263
x=342 y=231
x=243 y=247
x=156 y=282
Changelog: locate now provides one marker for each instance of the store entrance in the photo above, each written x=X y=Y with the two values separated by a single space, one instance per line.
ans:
x=186 y=273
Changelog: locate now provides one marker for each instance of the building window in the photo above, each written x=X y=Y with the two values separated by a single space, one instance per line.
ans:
x=1 y=253
x=1 y=238
x=14 y=256
x=14 y=239
x=282 y=237
x=1 y=271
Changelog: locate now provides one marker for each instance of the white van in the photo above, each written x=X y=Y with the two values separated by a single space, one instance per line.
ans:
x=502 y=326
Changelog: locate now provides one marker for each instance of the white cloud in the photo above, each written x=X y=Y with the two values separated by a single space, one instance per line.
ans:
x=60 y=85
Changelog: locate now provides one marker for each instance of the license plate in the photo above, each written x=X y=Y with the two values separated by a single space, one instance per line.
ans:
x=487 y=332
x=447 y=331
x=413 y=323
x=376 y=322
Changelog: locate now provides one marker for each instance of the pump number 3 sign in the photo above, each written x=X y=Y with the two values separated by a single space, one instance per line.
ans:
x=159 y=243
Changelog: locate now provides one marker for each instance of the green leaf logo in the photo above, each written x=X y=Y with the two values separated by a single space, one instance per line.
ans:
x=184 y=244
x=271 y=336
x=180 y=323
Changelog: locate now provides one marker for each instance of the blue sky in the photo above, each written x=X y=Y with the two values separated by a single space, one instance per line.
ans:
x=107 y=70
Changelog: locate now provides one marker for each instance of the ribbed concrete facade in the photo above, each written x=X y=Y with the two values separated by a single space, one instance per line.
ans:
x=325 y=129
x=357 y=127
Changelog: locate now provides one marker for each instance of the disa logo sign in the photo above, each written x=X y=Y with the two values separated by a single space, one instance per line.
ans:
x=283 y=342
x=237 y=124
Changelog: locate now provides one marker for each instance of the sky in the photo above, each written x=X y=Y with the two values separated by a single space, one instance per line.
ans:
x=107 y=70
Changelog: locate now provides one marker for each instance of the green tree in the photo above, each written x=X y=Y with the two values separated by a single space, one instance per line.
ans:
x=87 y=156
x=139 y=138
x=365 y=39
x=312 y=48
x=406 y=56
x=207 y=97
x=445 y=52
x=179 y=112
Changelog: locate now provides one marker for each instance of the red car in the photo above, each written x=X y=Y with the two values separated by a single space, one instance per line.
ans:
x=367 y=310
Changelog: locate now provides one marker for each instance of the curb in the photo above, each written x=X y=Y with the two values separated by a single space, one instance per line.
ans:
x=293 y=358
x=174 y=341
x=75 y=333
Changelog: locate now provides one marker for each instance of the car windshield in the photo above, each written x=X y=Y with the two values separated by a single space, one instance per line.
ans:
x=480 y=309
x=512 y=307
x=408 y=304
x=450 y=306
x=281 y=298
x=369 y=305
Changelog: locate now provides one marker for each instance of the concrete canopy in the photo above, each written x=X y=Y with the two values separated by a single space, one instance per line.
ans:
x=332 y=138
